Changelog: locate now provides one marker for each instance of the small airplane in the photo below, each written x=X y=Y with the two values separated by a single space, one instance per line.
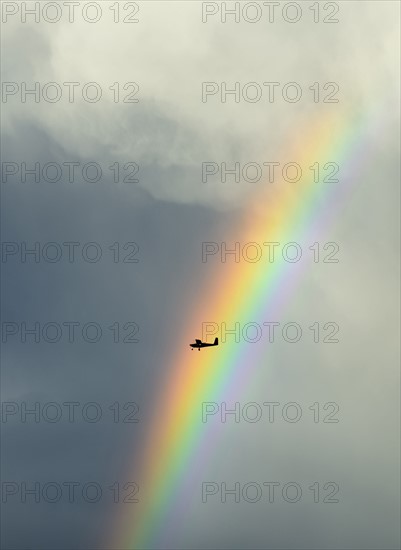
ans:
x=199 y=344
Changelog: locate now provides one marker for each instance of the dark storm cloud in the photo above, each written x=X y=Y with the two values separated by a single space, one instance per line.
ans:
x=148 y=292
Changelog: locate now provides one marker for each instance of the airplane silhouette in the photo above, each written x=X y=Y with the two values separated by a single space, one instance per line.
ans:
x=199 y=344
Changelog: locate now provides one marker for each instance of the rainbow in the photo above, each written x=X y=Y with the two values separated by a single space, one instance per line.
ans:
x=280 y=212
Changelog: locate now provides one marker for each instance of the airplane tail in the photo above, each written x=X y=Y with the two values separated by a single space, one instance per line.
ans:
x=216 y=342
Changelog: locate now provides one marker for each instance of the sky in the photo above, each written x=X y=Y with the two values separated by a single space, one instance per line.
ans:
x=119 y=120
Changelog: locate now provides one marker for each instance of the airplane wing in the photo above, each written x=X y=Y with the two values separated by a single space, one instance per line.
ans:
x=198 y=341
